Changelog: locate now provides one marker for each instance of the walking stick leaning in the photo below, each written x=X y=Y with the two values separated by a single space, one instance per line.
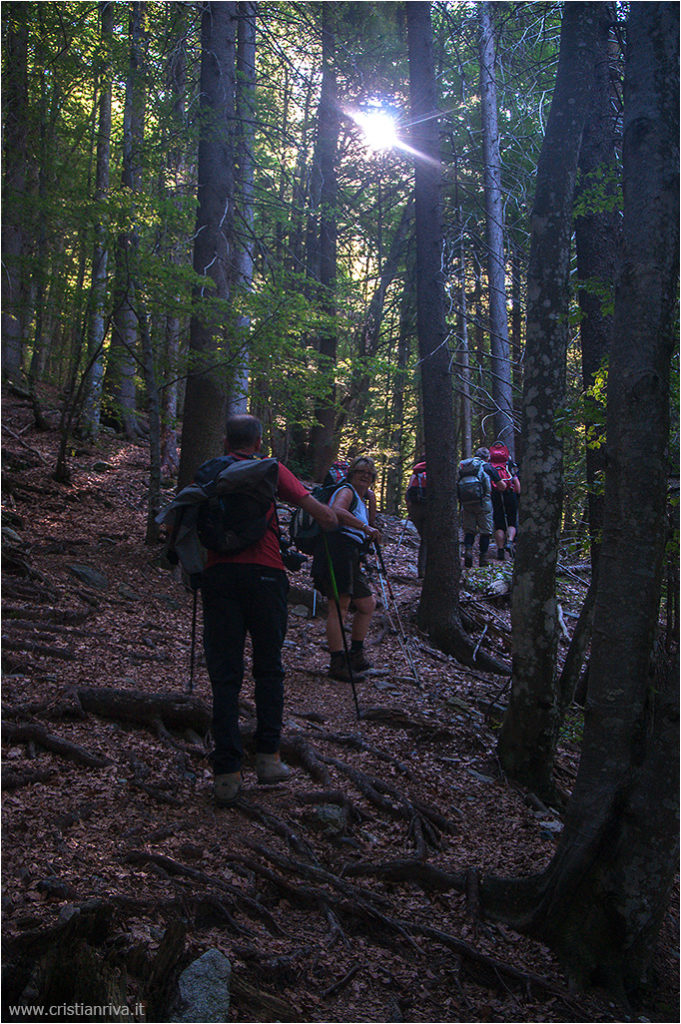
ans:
x=401 y=635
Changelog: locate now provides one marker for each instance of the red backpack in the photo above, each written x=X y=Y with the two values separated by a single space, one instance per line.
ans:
x=416 y=491
x=499 y=457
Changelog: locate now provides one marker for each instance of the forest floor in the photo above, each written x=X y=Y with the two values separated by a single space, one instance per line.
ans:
x=118 y=869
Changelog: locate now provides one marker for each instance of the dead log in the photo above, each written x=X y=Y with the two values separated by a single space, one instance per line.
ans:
x=33 y=733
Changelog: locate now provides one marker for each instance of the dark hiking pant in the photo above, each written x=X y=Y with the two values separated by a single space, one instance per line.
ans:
x=240 y=599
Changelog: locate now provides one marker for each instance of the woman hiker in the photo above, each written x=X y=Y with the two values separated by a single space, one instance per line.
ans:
x=343 y=547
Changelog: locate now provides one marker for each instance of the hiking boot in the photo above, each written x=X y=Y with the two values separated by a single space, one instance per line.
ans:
x=510 y=547
x=338 y=669
x=483 y=561
x=271 y=768
x=501 y=554
x=226 y=788
x=359 y=662
x=468 y=558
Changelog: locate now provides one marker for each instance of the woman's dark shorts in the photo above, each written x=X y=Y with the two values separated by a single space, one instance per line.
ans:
x=505 y=508
x=344 y=555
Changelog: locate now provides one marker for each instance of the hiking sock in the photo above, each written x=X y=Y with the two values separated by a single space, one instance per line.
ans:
x=356 y=645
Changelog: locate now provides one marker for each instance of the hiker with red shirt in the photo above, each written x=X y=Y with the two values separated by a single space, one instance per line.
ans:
x=504 y=502
x=245 y=593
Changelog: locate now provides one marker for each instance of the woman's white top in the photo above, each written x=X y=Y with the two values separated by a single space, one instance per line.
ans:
x=359 y=511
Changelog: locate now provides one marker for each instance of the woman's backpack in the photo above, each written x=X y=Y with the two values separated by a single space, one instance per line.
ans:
x=305 y=531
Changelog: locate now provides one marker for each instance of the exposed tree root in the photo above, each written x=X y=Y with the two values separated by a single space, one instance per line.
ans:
x=32 y=733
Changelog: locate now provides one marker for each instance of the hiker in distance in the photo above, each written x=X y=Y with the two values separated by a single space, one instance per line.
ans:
x=247 y=593
x=504 y=500
x=342 y=549
x=415 y=497
x=474 y=487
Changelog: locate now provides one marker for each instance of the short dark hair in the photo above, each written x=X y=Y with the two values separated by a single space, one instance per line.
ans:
x=243 y=432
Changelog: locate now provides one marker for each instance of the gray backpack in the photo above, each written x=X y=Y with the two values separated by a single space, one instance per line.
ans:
x=473 y=486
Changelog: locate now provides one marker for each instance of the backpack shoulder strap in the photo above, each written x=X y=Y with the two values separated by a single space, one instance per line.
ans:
x=355 y=498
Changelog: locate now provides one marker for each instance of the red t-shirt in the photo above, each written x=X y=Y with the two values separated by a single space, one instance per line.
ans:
x=266 y=551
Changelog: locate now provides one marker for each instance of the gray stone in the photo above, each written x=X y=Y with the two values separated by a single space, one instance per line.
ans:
x=204 y=989
x=90 y=576
x=329 y=819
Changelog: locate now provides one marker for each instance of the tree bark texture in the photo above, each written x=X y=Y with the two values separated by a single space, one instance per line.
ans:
x=529 y=730
x=205 y=400
x=502 y=393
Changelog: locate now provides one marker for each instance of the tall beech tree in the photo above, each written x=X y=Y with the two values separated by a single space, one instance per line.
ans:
x=122 y=364
x=96 y=329
x=529 y=730
x=600 y=901
x=209 y=340
x=502 y=393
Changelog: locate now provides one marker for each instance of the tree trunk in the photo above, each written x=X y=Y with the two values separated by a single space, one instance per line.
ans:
x=15 y=117
x=601 y=900
x=322 y=437
x=529 y=730
x=464 y=357
x=439 y=613
x=205 y=400
x=502 y=393
x=237 y=401
x=175 y=243
x=122 y=362
x=96 y=313
x=596 y=238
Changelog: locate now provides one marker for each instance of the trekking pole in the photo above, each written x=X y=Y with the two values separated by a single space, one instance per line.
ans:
x=401 y=538
x=401 y=635
x=336 y=598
